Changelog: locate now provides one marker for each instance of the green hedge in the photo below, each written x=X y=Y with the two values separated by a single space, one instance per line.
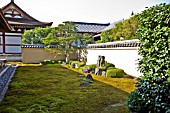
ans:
x=108 y=64
x=115 y=73
x=93 y=66
x=109 y=68
x=45 y=62
x=153 y=92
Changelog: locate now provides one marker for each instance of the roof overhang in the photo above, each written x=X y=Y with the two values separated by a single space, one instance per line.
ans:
x=4 y=25
x=25 y=20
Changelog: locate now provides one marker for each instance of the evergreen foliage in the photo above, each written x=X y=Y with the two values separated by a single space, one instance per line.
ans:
x=152 y=94
x=123 y=29
x=115 y=73
x=64 y=36
x=35 y=35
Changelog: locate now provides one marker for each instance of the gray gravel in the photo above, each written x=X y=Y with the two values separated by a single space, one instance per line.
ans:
x=5 y=78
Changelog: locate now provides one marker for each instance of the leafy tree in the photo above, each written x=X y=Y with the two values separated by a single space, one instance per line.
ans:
x=126 y=29
x=152 y=94
x=83 y=39
x=118 y=31
x=63 y=37
x=66 y=39
x=106 y=36
x=35 y=35
x=130 y=27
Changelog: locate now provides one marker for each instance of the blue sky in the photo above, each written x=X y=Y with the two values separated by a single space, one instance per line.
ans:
x=94 y=11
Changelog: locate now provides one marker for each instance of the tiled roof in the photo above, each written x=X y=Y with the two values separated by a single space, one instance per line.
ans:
x=36 y=46
x=90 y=27
x=22 y=21
x=126 y=43
x=4 y=25
x=25 y=21
x=14 y=5
x=112 y=25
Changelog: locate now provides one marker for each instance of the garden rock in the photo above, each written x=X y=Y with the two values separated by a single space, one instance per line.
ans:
x=103 y=73
x=97 y=70
x=89 y=78
x=84 y=84
x=76 y=65
x=84 y=70
x=89 y=69
x=81 y=75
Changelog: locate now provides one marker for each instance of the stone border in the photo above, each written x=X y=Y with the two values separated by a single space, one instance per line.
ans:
x=4 y=70
x=6 y=86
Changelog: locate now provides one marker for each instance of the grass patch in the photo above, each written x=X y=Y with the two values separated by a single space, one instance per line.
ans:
x=55 y=89
x=126 y=84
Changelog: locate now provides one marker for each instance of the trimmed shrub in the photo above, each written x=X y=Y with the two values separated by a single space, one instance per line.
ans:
x=93 y=66
x=103 y=68
x=80 y=69
x=148 y=96
x=53 y=61
x=168 y=79
x=115 y=73
x=45 y=62
x=80 y=64
x=109 y=68
x=152 y=94
x=109 y=65
x=168 y=72
x=59 y=61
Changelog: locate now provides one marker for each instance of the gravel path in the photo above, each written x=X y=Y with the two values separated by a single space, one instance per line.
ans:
x=5 y=78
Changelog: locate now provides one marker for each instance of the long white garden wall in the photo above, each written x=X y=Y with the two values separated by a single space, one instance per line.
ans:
x=123 y=54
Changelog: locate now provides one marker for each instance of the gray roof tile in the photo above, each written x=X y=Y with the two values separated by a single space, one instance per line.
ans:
x=90 y=27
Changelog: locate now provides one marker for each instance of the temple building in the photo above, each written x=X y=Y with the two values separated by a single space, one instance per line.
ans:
x=13 y=22
x=91 y=28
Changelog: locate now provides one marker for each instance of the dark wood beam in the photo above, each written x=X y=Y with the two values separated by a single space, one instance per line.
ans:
x=3 y=41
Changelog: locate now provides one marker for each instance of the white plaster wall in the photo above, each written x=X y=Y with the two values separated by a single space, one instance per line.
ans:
x=123 y=57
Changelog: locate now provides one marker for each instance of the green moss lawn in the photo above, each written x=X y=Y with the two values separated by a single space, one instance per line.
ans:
x=55 y=89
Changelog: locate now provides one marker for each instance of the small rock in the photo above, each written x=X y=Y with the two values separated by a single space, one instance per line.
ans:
x=81 y=75
x=89 y=77
x=103 y=73
x=84 y=84
x=84 y=70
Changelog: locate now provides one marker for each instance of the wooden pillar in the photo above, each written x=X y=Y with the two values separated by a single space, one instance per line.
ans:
x=3 y=41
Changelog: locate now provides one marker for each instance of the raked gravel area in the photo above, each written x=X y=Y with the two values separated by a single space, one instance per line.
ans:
x=5 y=77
